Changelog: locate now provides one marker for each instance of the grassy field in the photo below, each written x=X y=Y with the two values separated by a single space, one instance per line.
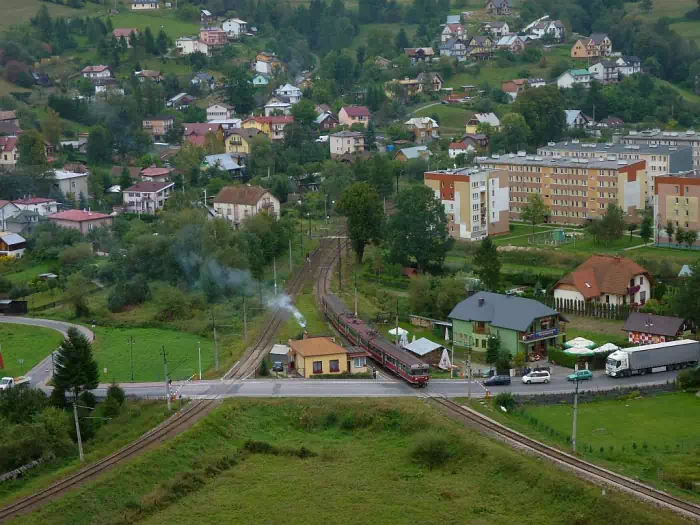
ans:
x=655 y=439
x=452 y=118
x=27 y=274
x=113 y=353
x=7 y=88
x=162 y=18
x=135 y=419
x=16 y=12
x=366 y=29
x=25 y=342
x=354 y=447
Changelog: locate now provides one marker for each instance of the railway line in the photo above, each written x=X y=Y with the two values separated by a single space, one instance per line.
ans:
x=172 y=426
x=582 y=468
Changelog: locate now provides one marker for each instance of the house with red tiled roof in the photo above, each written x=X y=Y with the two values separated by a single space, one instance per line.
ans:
x=9 y=117
x=40 y=205
x=606 y=279
x=82 y=220
x=237 y=203
x=156 y=174
x=9 y=152
x=125 y=33
x=350 y=115
x=97 y=72
x=195 y=133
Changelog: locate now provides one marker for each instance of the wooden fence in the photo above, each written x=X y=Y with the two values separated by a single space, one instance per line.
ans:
x=590 y=309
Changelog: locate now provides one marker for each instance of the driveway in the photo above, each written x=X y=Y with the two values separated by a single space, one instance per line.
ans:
x=41 y=373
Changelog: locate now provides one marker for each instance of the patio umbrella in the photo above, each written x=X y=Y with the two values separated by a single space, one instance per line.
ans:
x=414 y=339
x=580 y=352
x=607 y=347
x=447 y=334
x=401 y=331
x=580 y=342
x=404 y=339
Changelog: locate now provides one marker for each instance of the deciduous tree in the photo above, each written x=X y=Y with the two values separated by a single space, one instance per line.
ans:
x=646 y=230
x=487 y=264
x=360 y=203
x=535 y=210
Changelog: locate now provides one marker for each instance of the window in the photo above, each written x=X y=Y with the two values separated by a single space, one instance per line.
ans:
x=360 y=362
x=318 y=367
x=334 y=365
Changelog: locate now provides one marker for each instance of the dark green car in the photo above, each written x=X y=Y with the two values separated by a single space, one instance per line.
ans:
x=580 y=375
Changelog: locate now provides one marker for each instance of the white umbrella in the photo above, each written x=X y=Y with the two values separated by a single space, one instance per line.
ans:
x=580 y=342
x=401 y=331
x=447 y=334
x=607 y=347
x=445 y=363
x=414 y=339
x=404 y=339
x=579 y=351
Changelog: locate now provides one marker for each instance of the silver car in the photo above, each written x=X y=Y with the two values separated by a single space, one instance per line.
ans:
x=536 y=377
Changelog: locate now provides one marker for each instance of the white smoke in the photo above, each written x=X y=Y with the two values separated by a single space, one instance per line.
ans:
x=284 y=302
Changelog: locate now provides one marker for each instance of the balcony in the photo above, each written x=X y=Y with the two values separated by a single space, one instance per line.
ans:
x=631 y=290
x=542 y=334
x=481 y=330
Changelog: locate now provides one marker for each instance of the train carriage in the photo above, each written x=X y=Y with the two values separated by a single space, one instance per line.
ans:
x=393 y=358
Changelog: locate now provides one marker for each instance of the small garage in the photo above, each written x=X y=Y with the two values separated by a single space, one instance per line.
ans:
x=426 y=350
x=12 y=307
x=280 y=353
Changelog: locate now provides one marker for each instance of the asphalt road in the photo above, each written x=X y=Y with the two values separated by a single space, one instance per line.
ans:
x=42 y=372
x=376 y=388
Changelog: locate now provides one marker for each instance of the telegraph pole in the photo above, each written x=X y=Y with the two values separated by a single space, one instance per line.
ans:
x=167 y=380
x=77 y=431
x=469 y=364
x=245 y=320
x=130 y=342
x=216 y=344
x=290 y=256
x=199 y=352
x=340 y=264
x=355 y=276
x=573 y=432
x=397 y=324
x=274 y=269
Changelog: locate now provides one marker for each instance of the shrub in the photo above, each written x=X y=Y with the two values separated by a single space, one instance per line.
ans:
x=116 y=392
x=689 y=379
x=111 y=407
x=505 y=400
x=432 y=450
x=263 y=370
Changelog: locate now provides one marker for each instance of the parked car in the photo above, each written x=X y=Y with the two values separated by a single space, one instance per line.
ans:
x=580 y=375
x=497 y=380
x=536 y=377
x=277 y=366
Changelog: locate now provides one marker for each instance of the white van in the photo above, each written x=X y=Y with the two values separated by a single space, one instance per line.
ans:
x=536 y=377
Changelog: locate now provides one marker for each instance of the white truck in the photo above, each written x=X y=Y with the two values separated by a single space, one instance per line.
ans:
x=9 y=382
x=649 y=359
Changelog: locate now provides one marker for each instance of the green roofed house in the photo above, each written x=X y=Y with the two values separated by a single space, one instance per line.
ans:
x=523 y=325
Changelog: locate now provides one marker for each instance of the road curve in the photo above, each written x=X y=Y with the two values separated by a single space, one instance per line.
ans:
x=42 y=371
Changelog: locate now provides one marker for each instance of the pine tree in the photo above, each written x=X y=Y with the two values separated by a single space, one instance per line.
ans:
x=371 y=135
x=487 y=264
x=401 y=41
x=76 y=368
x=162 y=42
x=149 y=42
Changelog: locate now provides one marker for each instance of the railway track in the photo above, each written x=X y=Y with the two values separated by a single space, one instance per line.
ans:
x=172 y=426
x=582 y=468
x=255 y=354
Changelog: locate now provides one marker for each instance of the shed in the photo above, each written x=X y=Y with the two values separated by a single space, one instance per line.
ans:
x=411 y=273
x=279 y=353
x=425 y=349
x=12 y=307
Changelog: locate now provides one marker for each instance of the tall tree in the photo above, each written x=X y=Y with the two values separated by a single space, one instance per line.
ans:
x=487 y=264
x=99 y=150
x=612 y=224
x=76 y=367
x=686 y=301
x=691 y=236
x=680 y=236
x=149 y=42
x=543 y=110
x=493 y=349
x=535 y=210
x=31 y=149
x=669 y=229
x=646 y=230
x=162 y=43
x=514 y=133
x=360 y=203
x=418 y=230
x=240 y=91
x=51 y=127
x=401 y=42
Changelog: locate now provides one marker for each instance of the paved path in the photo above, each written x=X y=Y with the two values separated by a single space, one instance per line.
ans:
x=42 y=371
x=638 y=246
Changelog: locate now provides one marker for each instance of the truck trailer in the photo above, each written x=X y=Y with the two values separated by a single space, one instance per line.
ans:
x=649 y=359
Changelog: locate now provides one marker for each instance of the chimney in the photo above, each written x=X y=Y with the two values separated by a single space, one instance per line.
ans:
x=481 y=301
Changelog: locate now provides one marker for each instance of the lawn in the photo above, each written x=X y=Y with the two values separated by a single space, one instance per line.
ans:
x=366 y=29
x=316 y=323
x=452 y=118
x=27 y=274
x=136 y=418
x=350 y=448
x=655 y=439
x=25 y=342
x=7 y=88
x=113 y=353
x=16 y=12
x=162 y=18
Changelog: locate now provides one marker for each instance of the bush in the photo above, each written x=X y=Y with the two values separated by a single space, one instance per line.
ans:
x=505 y=400
x=432 y=450
x=111 y=407
x=562 y=359
x=264 y=370
x=116 y=392
x=689 y=379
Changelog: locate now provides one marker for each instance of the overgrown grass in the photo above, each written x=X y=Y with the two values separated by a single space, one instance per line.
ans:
x=29 y=273
x=161 y=18
x=355 y=446
x=29 y=343
x=655 y=439
x=15 y=12
x=135 y=419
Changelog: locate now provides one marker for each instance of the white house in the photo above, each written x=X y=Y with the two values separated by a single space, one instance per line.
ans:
x=606 y=279
x=219 y=112
x=497 y=29
x=261 y=79
x=187 y=45
x=346 y=142
x=237 y=203
x=629 y=65
x=575 y=119
x=574 y=76
x=293 y=93
x=143 y=5
x=147 y=197
x=274 y=107
x=457 y=148
x=96 y=72
x=38 y=205
x=71 y=183
x=235 y=27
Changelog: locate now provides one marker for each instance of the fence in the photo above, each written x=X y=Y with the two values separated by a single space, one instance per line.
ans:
x=590 y=309
x=54 y=304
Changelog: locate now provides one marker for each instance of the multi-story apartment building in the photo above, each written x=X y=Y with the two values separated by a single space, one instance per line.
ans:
x=476 y=202
x=574 y=189
x=659 y=159
x=677 y=199
x=657 y=137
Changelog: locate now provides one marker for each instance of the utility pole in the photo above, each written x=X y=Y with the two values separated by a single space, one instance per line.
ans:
x=469 y=365
x=274 y=269
x=355 y=277
x=245 y=320
x=216 y=344
x=290 y=256
x=325 y=207
x=301 y=237
x=199 y=352
x=77 y=432
x=340 y=264
x=167 y=379
x=397 y=323
x=130 y=342
x=573 y=431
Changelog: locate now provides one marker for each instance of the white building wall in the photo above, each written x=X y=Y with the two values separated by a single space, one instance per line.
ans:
x=568 y=295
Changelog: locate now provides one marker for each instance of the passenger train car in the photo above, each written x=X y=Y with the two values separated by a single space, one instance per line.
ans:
x=395 y=359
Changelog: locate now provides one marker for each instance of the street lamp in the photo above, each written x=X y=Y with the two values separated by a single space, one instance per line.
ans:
x=573 y=431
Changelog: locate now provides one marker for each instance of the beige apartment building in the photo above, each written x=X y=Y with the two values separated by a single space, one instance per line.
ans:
x=689 y=138
x=677 y=199
x=476 y=202
x=574 y=189
x=660 y=159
